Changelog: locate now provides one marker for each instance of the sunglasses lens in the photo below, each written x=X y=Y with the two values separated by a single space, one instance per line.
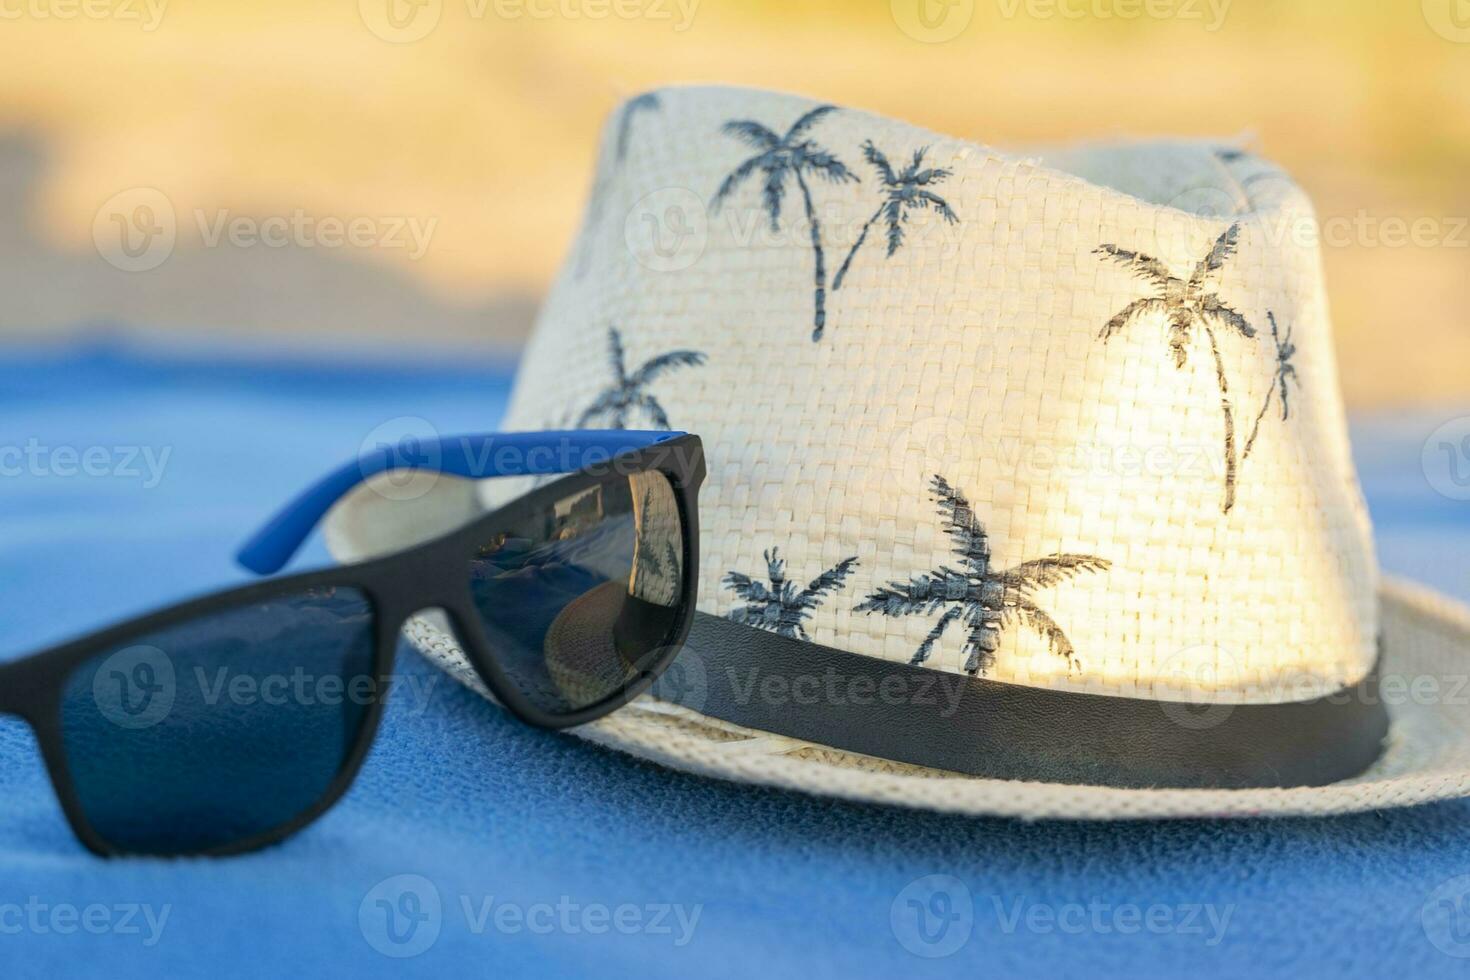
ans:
x=213 y=731
x=581 y=597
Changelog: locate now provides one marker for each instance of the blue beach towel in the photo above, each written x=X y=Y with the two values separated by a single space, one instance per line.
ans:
x=474 y=846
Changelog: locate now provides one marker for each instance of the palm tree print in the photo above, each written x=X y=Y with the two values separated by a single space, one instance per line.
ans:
x=778 y=607
x=665 y=567
x=987 y=599
x=776 y=159
x=628 y=393
x=647 y=102
x=903 y=192
x=1186 y=304
x=1285 y=372
x=658 y=572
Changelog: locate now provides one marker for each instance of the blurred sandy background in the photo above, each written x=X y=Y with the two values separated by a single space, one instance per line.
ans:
x=481 y=133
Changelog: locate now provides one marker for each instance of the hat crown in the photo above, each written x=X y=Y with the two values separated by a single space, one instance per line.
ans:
x=1069 y=421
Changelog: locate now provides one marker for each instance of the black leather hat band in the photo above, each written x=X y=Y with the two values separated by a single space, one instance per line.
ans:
x=979 y=727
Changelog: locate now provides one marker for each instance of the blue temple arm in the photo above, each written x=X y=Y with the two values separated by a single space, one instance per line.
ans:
x=474 y=457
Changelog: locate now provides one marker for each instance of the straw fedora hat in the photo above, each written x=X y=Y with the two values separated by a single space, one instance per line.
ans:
x=1029 y=486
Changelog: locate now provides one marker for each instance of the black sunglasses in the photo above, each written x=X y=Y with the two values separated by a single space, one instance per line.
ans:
x=231 y=721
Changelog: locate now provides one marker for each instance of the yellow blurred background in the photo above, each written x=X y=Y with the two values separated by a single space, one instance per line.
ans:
x=475 y=121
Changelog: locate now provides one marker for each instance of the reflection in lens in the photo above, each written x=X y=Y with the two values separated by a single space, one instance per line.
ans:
x=212 y=731
x=579 y=598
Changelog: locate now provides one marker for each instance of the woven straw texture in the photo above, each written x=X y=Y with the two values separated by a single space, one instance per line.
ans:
x=973 y=352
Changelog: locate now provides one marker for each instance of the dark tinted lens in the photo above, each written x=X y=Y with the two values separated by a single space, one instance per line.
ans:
x=213 y=731
x=580 y=598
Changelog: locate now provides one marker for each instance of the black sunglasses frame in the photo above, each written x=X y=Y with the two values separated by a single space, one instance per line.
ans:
x=399 y=586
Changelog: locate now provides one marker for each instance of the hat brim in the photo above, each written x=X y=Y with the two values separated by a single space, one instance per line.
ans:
x=1426 y=651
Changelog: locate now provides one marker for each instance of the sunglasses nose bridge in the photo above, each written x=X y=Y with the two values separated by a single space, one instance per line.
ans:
x=10 y=694
x=424 y=579
x=443 y=621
